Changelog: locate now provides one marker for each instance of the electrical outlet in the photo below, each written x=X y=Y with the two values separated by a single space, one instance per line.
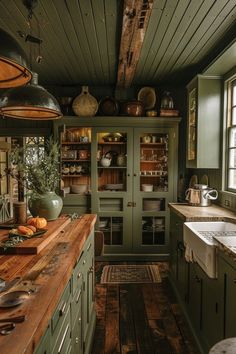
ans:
x=227 y=202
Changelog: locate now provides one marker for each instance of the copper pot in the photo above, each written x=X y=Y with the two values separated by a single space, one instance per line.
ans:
x=135 y=108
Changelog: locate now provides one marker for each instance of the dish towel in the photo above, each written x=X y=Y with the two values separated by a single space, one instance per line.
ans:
x=189 y=254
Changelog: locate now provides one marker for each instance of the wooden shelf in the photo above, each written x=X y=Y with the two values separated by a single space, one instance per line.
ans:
x=72 y=176
x=112 y=143
x=72 y=160
x=75 y=143
x=113 y=167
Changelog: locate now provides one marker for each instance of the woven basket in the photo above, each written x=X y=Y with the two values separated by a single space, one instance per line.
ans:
x=85 y=105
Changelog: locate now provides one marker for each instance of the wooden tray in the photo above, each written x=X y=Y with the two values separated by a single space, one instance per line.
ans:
x=36 y=244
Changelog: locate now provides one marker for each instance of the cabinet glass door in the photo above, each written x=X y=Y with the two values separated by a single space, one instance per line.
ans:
x=153 y=188
x=112 y=186
x=76 y=169
x=192 y=130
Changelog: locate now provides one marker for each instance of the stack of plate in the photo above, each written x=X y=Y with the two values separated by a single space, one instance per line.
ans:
x=151 y=205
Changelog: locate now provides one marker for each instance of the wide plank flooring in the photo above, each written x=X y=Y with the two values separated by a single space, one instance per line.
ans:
x=140 y=319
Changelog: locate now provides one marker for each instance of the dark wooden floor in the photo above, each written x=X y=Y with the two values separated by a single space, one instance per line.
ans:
x=140 y=319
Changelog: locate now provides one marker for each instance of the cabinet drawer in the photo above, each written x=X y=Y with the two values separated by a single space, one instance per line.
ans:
x=76 y=304
x=76 y=336
x=77 y=276
x=62 y=341
x=61 y=310
x=44 y=345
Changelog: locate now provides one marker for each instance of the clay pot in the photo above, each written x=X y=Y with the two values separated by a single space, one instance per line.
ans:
x=135 y=108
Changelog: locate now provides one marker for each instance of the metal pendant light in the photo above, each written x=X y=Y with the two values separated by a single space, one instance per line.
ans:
x=14 y=70
x=32 y=102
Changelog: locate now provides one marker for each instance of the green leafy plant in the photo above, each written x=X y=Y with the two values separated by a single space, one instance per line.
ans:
x=36 y=167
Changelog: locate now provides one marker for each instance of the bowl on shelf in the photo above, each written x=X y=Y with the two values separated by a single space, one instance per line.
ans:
x=114 y=186
x=79 y=188
x=147 y=187
x=102 y=224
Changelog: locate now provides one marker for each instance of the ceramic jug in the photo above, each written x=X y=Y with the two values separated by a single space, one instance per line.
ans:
x=85 y=105
x=121 y=160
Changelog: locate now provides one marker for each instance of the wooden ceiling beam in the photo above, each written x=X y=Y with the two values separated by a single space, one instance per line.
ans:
x=136 y=16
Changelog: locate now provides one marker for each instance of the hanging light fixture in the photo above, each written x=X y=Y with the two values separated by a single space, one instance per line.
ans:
x=14 y=70
x=32 y=101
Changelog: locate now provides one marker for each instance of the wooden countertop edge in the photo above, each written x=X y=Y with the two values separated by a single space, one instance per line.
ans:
x=26 y=336
x=209 y=213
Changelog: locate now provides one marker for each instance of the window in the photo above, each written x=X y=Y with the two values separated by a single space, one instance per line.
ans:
x=231 y=125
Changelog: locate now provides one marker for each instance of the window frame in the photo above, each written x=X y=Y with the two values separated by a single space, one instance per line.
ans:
x=230 y=127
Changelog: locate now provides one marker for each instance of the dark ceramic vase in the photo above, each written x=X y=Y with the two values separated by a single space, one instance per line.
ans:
x=47 y=205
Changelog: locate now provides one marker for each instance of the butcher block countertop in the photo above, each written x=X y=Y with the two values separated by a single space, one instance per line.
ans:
x=210 y=213
x=44 y=274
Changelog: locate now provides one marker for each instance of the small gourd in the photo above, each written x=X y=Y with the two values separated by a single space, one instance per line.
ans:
x=37 y=222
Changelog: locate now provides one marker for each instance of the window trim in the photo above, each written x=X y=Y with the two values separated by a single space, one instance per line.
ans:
x=229 y=84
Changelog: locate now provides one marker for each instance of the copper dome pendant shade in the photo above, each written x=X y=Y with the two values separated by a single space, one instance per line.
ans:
x=32 y=102
x=14 y=70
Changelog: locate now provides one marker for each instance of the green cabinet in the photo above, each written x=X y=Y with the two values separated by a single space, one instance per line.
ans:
x=227 y=276
x=203 y=122
x=178 y=265
x=201 y=298
x=44 y=345
x=72 y=325
x=132 y=176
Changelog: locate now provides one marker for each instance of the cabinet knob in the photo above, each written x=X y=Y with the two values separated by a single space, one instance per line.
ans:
x=76 y=340
x=197 y=279
x=84 y=261
x=79 y=275
x=128 y=174
x=135 y=174
x=91 y=269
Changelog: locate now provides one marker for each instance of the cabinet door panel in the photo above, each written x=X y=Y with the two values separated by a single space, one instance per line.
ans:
x=230 y=305
x=153 y=188
x=112 y=186
x=195 y=296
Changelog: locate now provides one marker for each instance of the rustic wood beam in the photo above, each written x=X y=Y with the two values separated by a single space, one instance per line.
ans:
x=136 y=16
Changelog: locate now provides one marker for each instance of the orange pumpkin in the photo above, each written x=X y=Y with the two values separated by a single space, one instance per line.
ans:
x=31 y=227
x=37 y=222
x=24 y=230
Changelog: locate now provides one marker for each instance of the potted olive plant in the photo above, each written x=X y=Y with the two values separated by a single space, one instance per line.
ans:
x=38 y=172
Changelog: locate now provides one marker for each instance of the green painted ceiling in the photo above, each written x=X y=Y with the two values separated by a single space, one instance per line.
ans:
x=81 y=38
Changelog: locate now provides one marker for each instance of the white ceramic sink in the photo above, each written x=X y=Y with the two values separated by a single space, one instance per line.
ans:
x=200 y=241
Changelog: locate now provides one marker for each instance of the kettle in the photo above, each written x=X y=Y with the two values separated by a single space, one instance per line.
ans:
x=105 y=160
x=201 y=195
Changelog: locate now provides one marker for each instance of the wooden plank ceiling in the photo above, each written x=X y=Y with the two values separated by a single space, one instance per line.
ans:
x=82 y=39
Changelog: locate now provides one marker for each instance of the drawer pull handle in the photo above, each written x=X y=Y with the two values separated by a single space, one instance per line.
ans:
x=79 y=275
x=81 y=254
x=62 y=310
x=77 y=299
x=89 y=247
x=76 y=340
x=63 y=339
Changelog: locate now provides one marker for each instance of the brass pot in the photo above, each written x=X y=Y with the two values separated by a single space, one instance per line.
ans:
x=135 y=109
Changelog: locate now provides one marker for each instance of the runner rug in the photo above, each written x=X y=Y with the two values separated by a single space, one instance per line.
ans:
x=124 y=273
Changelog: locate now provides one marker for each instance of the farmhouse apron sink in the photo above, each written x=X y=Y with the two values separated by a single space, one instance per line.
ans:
x=200 y=242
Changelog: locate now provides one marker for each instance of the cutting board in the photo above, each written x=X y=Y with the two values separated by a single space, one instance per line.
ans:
x=36 y=244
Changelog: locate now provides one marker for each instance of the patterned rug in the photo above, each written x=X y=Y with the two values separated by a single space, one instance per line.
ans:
x=130 y=274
